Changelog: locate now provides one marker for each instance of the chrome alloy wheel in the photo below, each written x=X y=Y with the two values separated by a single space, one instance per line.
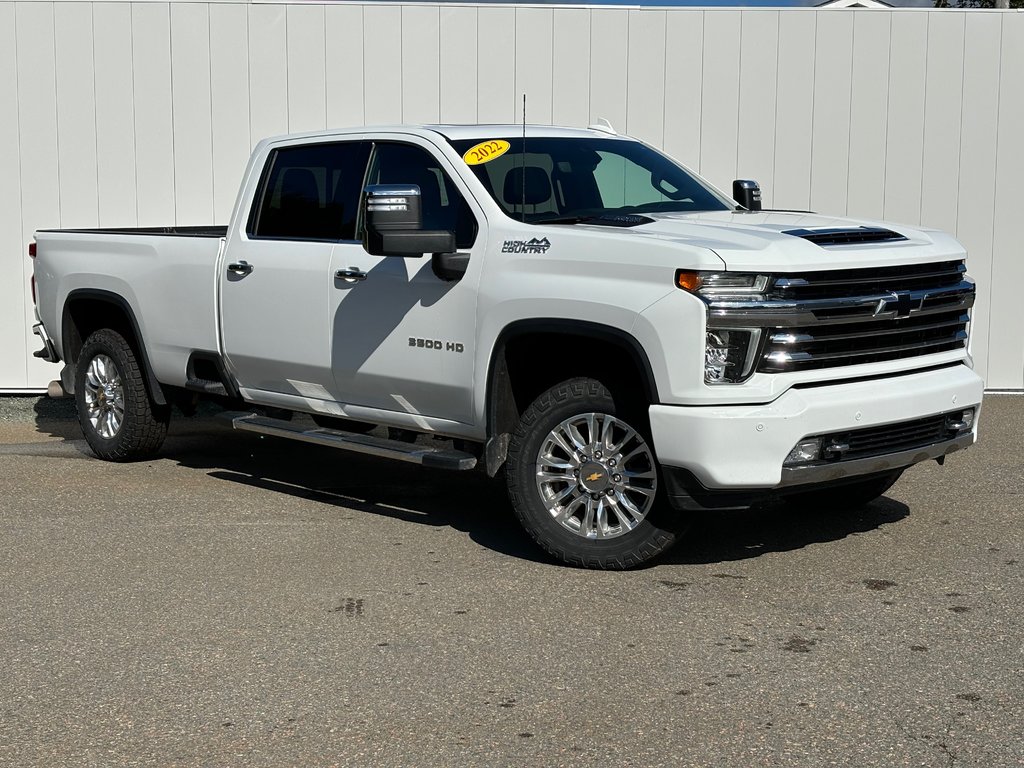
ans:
x=596 y=475
x=104 y=396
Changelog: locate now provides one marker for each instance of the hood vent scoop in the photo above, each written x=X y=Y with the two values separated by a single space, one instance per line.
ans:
x=846 y=236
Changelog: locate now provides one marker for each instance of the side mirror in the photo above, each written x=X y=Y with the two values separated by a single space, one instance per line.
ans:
x=394 y=223
x=747 y=193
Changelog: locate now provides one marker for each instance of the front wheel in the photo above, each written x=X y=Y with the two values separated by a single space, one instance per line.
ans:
x=583 y=480
x=118 y=419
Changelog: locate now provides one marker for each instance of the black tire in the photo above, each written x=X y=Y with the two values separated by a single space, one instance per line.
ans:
x=649 y=536
x=845 y=496
x=142 y=426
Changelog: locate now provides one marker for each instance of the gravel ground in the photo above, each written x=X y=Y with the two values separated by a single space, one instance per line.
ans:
x=243 y=601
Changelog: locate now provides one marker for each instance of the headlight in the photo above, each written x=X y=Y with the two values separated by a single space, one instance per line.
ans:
x=720 y=284
x=729 y=354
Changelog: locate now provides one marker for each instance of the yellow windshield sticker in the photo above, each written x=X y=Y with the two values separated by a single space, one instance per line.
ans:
x=485 y=151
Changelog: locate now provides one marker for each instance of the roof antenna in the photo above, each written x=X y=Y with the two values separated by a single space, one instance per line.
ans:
x=522 y=180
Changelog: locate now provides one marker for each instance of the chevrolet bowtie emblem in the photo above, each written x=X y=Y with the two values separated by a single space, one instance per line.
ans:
x=897 y=302
x=595 y=476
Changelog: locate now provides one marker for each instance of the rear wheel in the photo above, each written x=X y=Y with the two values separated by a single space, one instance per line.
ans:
x=845 y=496
x=583 y=479
x=118 y=420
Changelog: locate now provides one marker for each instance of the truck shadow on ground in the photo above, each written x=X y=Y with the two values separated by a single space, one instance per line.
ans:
x=469 y=501
x=472 y=503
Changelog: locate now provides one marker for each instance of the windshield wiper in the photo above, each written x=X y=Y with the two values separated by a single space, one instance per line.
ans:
x=565 y=220
x=602 y=219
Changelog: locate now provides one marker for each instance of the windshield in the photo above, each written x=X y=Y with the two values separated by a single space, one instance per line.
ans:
x=560 y=180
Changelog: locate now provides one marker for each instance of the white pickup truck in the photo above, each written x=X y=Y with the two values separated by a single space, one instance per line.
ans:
x=570 y=306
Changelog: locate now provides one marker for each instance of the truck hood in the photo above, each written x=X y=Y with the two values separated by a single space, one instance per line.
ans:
x=755 y=241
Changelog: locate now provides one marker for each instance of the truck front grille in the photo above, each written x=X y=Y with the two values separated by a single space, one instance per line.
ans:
x=833 y=318
x=789 y=349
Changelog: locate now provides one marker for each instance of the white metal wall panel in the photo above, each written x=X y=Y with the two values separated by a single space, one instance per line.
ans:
x=570 y=63
x=943 y=97
x=192 y=114
x=307 y=68
x=645 y=106
x=382 y=64
x=268 y=70
x=229 y=98
x=904 y=138
x=720 y=97
x=115 y=114
x=830 y=147
x=121 y=113
x=794 y=111
x=609 y=65
x=534 y=33
x=345 y=78
x=458 y=74
x=496 y=70
x=154 y=122
x=76 y=114
x=14 y=350
x=421 y=64
x=37 y=115
x=759 y=66
x=684 y=83
x=1006 y=330
x=974 y=220
x=869 y=98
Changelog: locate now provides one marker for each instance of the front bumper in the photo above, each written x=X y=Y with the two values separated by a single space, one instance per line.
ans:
x=736 y=448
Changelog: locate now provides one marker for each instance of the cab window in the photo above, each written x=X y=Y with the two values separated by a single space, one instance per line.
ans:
x=311 y=192
x=442 y=204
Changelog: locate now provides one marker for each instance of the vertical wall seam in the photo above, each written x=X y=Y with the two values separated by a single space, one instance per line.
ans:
x=924 y=115
x=21 y=174
x=476 y=68
x=888 y=116
x=323 y=17
x=135 y=129
x=995 y=177
x=664 y=83
x=700 y=98
x=814 y=85
x=95 y=110
x=590 y=60
x=739 y=73
x=551 y=103
x=56 y=110
x=778 y=67
x=960 y=136
x=287 y=79
x=248 y=70
x=849 y=134
x=209 y=74
x=625 y=105
x=174 y=137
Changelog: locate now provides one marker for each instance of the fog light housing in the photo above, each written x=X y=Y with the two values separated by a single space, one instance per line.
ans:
x=805 y=451
x=960 y=422
x=729 y=354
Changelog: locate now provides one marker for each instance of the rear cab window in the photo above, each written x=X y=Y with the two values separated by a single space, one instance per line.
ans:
x=310 y=192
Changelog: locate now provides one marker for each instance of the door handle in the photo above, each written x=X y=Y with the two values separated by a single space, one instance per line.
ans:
x=240 y=267
x=350 y=275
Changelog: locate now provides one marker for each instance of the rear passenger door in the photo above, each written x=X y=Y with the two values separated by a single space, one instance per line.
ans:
x=277 y=284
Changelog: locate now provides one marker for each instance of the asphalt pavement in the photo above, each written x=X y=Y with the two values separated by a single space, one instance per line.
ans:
x=247 y=601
